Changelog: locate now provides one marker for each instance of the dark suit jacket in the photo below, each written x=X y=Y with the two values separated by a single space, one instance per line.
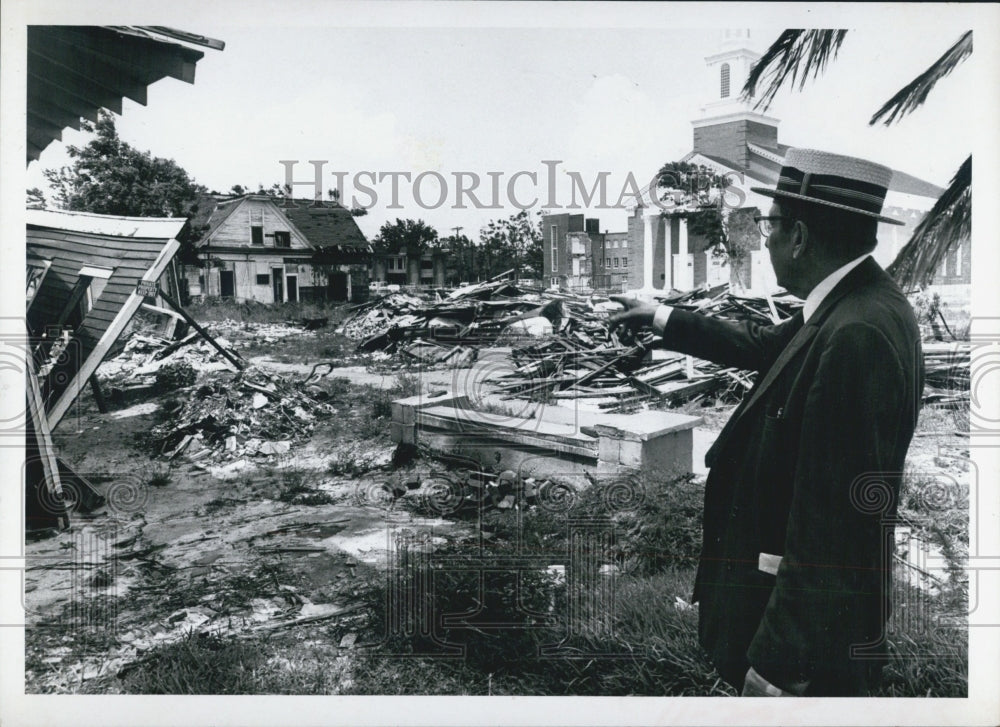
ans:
x=807 y=468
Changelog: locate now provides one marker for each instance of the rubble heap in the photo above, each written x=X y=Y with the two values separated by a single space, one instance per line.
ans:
x=249 y=413
x=474 y=315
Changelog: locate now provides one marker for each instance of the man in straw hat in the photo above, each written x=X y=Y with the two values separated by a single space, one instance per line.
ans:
x=793 y=582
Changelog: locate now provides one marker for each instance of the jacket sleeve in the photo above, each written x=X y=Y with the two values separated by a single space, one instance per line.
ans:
x=743 y=345
x=829 y=584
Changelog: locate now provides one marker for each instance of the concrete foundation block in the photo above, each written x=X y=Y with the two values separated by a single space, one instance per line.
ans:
x=631 y=453
x=402 y=433
x=608 y=449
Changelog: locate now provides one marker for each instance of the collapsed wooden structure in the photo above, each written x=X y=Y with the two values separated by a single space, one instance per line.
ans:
x=87 y=276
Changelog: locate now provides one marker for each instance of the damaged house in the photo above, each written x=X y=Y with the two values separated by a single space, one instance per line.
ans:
x=273 y=250
x=88 y=274
x=83 y=271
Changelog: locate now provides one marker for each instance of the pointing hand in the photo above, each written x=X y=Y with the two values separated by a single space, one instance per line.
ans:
x=637 y=313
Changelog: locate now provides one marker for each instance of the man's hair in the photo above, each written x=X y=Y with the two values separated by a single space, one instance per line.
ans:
x=845 y=235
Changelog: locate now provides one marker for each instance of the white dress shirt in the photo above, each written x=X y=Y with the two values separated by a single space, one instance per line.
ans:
x=813 y=300
x=817 y=294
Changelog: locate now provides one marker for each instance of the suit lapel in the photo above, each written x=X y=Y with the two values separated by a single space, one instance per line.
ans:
x=866 y=272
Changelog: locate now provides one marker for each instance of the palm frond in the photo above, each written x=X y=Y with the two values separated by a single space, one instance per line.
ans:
x=942 y=230
x=795 y=53
x=915 y=92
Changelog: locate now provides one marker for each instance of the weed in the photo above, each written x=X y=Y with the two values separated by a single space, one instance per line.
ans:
x=296 y=490
x=159 y=476
x=174 y=376
x=198 y=664
x=214 y=506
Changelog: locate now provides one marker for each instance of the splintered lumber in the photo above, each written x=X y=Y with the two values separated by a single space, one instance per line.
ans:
x=229 y=355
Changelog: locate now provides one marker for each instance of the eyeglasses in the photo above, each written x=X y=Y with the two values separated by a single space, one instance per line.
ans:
x=764 y=223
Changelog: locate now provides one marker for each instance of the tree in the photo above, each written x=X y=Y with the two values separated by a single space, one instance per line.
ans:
x=34 y=199
x=461 y=258
x=697 y=193
x=413 y=237
x=948 y=224
x=109 y=176
x=512 y=243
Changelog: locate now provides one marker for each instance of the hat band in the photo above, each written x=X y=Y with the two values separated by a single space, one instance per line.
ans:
x=832 y=188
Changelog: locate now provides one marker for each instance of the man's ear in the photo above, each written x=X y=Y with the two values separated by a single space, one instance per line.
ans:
x=800 y=239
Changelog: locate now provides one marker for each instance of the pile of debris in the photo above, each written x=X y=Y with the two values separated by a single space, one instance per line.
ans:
x=476 y=315
x=249 y=413
x=143 y=356
x=470 y=491
x=946 y=374
x=621 y=373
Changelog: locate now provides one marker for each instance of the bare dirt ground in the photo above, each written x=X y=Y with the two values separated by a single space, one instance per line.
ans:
x=276 y=546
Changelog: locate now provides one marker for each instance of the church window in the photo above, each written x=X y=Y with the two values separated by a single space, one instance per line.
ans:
x=725 y=80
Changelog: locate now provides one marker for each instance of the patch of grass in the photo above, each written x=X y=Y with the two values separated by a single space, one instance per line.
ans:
x=297 y=490
x=928 y=651
x=198 y=664
x=218 y=309
x=645 y=645
x=174 y=376
x=160 y=476
x=219 y=503
x=350 y=463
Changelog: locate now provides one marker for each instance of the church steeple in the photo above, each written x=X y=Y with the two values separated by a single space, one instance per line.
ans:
x=726 y=123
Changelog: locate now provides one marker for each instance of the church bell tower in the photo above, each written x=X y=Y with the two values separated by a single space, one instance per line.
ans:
x=726 y=123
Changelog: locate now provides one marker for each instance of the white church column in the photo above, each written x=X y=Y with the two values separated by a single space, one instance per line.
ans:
x=647 y=250
x=683 y=273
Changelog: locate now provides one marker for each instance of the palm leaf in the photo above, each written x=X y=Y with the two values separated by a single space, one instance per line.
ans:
x=942 y=230
x=796 y=54
x=915 y=92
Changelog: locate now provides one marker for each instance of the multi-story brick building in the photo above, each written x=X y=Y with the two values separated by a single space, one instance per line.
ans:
x=577 y=255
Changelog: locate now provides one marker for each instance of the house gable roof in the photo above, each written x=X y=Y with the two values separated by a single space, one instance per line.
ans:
x=326 y=225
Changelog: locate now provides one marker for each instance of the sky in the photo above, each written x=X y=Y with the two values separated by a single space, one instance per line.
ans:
x=500 y=100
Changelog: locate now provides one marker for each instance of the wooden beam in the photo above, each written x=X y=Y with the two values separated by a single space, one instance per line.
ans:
x=187 y=37
x=128 y=309
x=79 y=76
x=57 y=115
x=228 y=355
x=95 y=387
x=43 y=437
x=71 y=81
x=46 y=88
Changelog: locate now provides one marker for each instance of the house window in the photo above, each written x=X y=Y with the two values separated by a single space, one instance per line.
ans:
x=607 y=262
x=97 y=278
x=554 y=231
x=624 y=262
x=256 y=226
x=36 y=271
x=89 y=286
x=282 y=238
x=616 y=262
x=263 y=279
x=725 y=80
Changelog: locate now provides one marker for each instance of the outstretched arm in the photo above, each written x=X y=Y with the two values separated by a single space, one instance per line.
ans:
x=743 y=345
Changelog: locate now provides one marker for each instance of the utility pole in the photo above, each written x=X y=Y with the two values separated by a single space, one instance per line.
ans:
x=457 y=230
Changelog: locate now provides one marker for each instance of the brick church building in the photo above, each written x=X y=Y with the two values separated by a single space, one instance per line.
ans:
x=730 y=140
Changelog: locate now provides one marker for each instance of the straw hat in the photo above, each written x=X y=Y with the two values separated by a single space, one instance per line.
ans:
x=833 y=180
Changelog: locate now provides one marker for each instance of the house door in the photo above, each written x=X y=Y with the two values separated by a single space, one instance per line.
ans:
x=293 y=288
x=337 y=286
x=278 y=284
x=227 y=283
